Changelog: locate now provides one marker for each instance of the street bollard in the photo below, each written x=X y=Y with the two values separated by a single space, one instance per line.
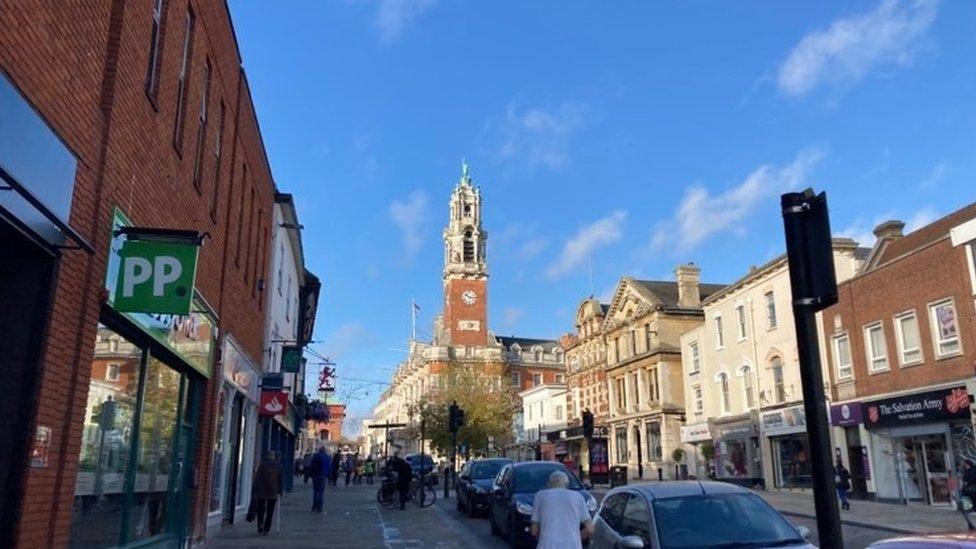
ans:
x=660 y=473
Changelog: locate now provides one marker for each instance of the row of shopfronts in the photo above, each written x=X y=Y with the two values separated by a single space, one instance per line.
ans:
x=907 y=448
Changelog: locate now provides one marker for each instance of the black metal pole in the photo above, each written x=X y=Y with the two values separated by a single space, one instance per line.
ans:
x=815 y=408
x=423 y=463
x=538 y=447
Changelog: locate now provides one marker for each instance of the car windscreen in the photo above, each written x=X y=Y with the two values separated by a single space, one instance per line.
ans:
x=732 y=520
x=486 y=469
x=533 y=479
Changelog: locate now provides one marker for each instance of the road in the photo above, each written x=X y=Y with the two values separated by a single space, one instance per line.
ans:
x=855 y=537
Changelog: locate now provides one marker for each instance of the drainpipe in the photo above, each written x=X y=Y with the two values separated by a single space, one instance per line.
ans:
x=759 y=392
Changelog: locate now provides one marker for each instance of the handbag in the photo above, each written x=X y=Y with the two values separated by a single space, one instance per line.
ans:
x=252 y=512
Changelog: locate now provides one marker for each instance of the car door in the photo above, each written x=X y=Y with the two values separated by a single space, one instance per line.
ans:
x=499 y=507
x=464 y=484
x=608 y=521
x=636 y=519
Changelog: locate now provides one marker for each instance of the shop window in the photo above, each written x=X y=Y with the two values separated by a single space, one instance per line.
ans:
x=219 y=452
x=621 y=444
x=909 y=341
x=842 y=357
x=877 y=349
x=740 y=317
x=695 y=358
x=770 y=310
x=719 y=336
x=106 y=448
x=945 y=330
x=793 y=468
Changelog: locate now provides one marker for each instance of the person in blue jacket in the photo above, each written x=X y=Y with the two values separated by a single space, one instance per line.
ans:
x=319 y=471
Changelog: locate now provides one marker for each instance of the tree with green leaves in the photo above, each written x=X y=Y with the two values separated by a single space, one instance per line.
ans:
x=489 y=403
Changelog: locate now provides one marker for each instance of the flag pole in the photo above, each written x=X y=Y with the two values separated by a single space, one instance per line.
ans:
x=413 y=316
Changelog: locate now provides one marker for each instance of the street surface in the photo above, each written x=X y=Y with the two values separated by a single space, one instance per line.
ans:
x=353 y=520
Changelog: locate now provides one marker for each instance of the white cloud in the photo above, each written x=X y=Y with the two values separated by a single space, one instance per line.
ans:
x=347 y=337
x=589 y=237
x=393 y=16
x=532 y=247
x=701 y=215
x=921 y=218
x=410 y=216
x=849 y=48
x=935 y=176
x=541 y=135
x=511 y=317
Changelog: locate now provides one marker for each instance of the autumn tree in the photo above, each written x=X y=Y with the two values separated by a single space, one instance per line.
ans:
x=489 y=403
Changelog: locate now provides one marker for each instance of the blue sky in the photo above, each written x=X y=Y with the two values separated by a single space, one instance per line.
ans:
x=632 y=138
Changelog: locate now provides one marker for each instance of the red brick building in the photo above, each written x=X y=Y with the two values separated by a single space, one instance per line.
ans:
x=123 y=113
x=900 y=347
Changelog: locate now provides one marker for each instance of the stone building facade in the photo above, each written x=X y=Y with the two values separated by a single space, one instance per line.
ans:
x=642 y=331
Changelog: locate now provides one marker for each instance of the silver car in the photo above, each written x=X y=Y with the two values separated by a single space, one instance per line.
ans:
x=681 y=515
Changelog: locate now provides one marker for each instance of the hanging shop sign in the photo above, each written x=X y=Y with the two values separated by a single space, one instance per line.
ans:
x=291 y=359
x=930 y=406
x=845 y=415
x=156 y=277
x=190 y=336
x=784 y=421
x=239 y=369
x=273 y=403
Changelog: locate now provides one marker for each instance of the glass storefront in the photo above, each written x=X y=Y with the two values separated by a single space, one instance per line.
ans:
x=136 y=445
x=791 y=459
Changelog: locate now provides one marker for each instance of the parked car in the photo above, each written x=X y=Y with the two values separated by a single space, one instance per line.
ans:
x=678 y=515
x=474 y=484
x=428 y=470
x=513 y=493
x=957 y=541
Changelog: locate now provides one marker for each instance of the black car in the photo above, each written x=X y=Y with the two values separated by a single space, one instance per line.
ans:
x=474 y=484
x=513 y=493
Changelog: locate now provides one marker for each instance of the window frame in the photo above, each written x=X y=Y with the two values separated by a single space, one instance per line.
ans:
x=869 y=348
x=182 y=82
x=218 y=160
x=151 y=86
x=935 y=333
x=779 y=385
x=699 y=398
x=695 y=357
x=719 y=333
x=740 y=315
x=772 y=322
x=838 y=367
x=900 y=339
x=748 y=393
x=118 y=371
x=203 y=118
x=724 y=392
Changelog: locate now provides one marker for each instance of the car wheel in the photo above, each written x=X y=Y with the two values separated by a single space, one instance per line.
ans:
x=495 y=531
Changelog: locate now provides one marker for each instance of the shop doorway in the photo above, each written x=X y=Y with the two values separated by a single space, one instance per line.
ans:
x=640 y=455
x=236 y=460
x=856 y=456
x=925 y=470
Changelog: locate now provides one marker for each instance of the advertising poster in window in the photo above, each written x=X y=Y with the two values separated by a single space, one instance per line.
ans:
x=947 y=321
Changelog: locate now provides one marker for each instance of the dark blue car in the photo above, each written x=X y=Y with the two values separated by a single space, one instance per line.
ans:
x=474 y=484
x=513 y=493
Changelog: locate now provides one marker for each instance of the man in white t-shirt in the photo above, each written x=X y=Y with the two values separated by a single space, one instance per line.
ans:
x=557 y=514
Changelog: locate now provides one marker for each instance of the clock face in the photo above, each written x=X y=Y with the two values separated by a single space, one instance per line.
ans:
x=469 y=297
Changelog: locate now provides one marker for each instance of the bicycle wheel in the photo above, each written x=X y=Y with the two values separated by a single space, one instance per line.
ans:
x=424 y=496
x=386 y=498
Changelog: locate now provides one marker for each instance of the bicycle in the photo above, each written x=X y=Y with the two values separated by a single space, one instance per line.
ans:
x=421 y=492
x=387 y=495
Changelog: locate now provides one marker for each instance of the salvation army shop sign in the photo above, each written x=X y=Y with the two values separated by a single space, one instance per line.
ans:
x=930 y=406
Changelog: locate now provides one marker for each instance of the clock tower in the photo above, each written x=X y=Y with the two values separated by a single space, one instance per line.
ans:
x=465 y=268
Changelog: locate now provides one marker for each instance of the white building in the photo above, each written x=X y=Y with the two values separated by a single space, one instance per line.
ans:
x=543 y=411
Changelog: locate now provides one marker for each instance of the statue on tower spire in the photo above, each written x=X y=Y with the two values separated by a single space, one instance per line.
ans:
x=465 y=176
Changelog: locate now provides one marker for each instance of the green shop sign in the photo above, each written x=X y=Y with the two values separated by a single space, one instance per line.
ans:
x=291 y=359
x=151 y=284
x=156 y=277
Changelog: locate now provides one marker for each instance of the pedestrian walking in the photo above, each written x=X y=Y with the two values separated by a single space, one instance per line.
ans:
x=334 y=470
x=350 y=467
x=843 y=481
x=306 y=464
x=558 y=513
x=369 y=469
x=404 y=476
x=968 y=491
x=318 y=470
x=265 y=491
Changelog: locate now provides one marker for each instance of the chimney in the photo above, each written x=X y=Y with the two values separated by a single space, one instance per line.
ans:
x=688 y=295
x=889 y=230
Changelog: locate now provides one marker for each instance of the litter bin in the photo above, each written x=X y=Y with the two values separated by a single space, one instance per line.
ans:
x=618 y=476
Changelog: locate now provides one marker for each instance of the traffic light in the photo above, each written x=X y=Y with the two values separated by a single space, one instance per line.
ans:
x=587 y=424
x=455 y=417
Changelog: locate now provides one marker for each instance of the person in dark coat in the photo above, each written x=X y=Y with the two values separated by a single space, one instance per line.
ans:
x=334 y=470
x=318 y=470
x=265 y=491
x=843 y=481
x=968 y=491
x=404 y=476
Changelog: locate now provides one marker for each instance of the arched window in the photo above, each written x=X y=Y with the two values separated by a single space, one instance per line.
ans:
x=747 y=386
x=468 y=246
x=723 y=381
x=467 y=210
x=324 y=434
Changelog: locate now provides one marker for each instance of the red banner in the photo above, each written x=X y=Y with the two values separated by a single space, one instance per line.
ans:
x=273 y=403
